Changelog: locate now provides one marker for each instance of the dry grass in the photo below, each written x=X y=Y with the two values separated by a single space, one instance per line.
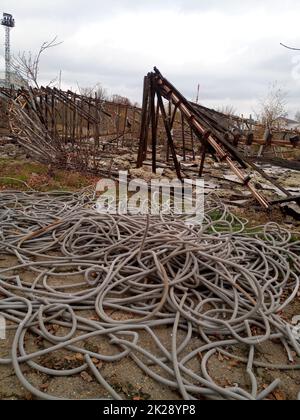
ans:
x=38 y=177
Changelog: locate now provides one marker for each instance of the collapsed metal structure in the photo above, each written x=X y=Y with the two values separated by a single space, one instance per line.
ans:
x=69 y=129
x=209 y=127
x=79 y=132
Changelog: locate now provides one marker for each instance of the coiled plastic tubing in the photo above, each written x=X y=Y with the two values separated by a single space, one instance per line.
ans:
x=220 y=283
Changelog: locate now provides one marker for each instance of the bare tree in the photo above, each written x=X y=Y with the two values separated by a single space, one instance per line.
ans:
x=97 y=91
x=27 y=65
x=227 y=110
x=273 y=106
x=297 y=116
x=118 y=99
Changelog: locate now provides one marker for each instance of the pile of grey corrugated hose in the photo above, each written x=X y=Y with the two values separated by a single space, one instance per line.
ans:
x=220 y=282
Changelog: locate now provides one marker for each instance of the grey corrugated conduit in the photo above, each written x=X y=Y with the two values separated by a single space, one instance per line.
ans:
x=217 y=287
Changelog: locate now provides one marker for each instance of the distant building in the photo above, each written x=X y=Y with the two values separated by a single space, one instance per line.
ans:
x=287 y=123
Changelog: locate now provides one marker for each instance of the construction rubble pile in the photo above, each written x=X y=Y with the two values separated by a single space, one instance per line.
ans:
x=188 y=310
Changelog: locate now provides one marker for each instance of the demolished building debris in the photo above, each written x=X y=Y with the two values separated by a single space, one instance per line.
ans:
x=88 y=134
x=128 y=306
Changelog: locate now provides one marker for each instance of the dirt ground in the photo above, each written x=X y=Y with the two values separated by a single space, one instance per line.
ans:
x=126 y=377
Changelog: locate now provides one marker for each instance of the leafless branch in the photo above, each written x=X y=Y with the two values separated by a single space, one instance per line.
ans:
x=290 y=48
x=98 y=90
x=27 y=65
x=273 y=106
x=227 y=110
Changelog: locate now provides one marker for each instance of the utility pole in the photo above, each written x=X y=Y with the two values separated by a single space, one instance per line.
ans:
x=8 y=22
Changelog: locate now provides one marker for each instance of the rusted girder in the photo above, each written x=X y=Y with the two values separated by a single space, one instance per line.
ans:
x=224 y=151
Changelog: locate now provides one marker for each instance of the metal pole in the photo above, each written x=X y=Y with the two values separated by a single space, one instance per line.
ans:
x=7 y=57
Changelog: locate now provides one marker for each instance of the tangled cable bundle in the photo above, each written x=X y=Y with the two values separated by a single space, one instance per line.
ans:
x=219 y=282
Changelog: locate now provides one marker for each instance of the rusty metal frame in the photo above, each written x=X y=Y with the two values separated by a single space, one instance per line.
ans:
x=205 y=126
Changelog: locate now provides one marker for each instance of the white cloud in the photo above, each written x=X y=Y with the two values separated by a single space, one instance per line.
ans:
x=231 y=48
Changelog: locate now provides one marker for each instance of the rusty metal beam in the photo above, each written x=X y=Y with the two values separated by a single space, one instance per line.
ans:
x=166 y=90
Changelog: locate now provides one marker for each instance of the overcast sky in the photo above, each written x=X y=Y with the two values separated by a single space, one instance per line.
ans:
x=231 y=48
